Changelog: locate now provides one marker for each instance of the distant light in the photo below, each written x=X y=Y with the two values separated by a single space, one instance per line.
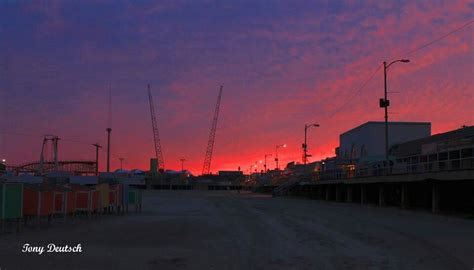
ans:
x=284 y=145
x=260 y=161
x=4 y=160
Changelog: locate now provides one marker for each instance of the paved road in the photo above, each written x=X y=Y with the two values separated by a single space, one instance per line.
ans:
x=226 y=230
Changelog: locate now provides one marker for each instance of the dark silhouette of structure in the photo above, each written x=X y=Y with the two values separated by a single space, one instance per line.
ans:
x=210 y=145
x=156 y=136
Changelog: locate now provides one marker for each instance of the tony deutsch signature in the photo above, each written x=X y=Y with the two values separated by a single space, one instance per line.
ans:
x=51 y=248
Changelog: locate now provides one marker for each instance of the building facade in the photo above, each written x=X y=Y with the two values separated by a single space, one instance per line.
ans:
x=447 y=151
x=367 y=141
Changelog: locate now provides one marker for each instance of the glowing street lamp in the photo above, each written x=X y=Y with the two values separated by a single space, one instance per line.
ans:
x=276 y=153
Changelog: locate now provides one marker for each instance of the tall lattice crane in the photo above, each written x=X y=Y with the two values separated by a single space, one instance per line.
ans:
x=156 y=136
x=210 y=145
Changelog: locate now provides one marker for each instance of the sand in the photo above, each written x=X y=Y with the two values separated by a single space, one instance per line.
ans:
x=227 y=230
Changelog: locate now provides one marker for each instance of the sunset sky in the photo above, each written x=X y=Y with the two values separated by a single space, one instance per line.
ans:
x=282 y=64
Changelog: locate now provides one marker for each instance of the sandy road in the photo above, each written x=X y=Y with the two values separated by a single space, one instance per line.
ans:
x=226 y=230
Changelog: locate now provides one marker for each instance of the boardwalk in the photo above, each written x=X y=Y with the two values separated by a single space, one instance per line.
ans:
x=227 y=230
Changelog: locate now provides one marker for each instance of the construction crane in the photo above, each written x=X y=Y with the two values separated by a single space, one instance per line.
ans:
x=210 y=145
x=156 y=136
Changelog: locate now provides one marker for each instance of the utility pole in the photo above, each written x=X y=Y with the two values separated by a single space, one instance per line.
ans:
x=305 y=145
x=97 y=146
x=121 y=163
x=108 y=148
x=109 y=129
x=385 y=103
x=182 y=164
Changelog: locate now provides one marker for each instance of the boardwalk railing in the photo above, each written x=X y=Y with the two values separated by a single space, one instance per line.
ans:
x=413 y=166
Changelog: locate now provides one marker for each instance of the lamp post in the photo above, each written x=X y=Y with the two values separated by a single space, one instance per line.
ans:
x=265 y=163
x=384 y=102
x=276 y=154
x=305 y=145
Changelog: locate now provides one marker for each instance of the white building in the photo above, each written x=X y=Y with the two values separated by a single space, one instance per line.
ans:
x=367 y=141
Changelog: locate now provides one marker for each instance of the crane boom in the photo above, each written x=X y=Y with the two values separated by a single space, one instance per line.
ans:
x=210 y=145
x=156 y=136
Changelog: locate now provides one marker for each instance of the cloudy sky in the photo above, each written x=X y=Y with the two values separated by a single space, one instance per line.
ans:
x=282 y=64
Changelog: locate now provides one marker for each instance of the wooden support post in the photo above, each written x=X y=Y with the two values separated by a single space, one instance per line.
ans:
x=434 y=198
x=18 y=225
x=381 y=195
x=404 y=196
x=349 y=194
x=362 y=194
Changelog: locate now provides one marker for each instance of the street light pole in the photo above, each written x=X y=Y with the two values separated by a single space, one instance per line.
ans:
x=182 y=164
x=265 y=164
x=305 y=145
x=276 y=154
x=384 y=103
x=121 y=160
x=276 y=157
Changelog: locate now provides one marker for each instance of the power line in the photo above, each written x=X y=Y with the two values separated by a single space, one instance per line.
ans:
x=438 y=39
x=41 y=136
x=366 y=82
x=19 y=134
x=405 y=54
